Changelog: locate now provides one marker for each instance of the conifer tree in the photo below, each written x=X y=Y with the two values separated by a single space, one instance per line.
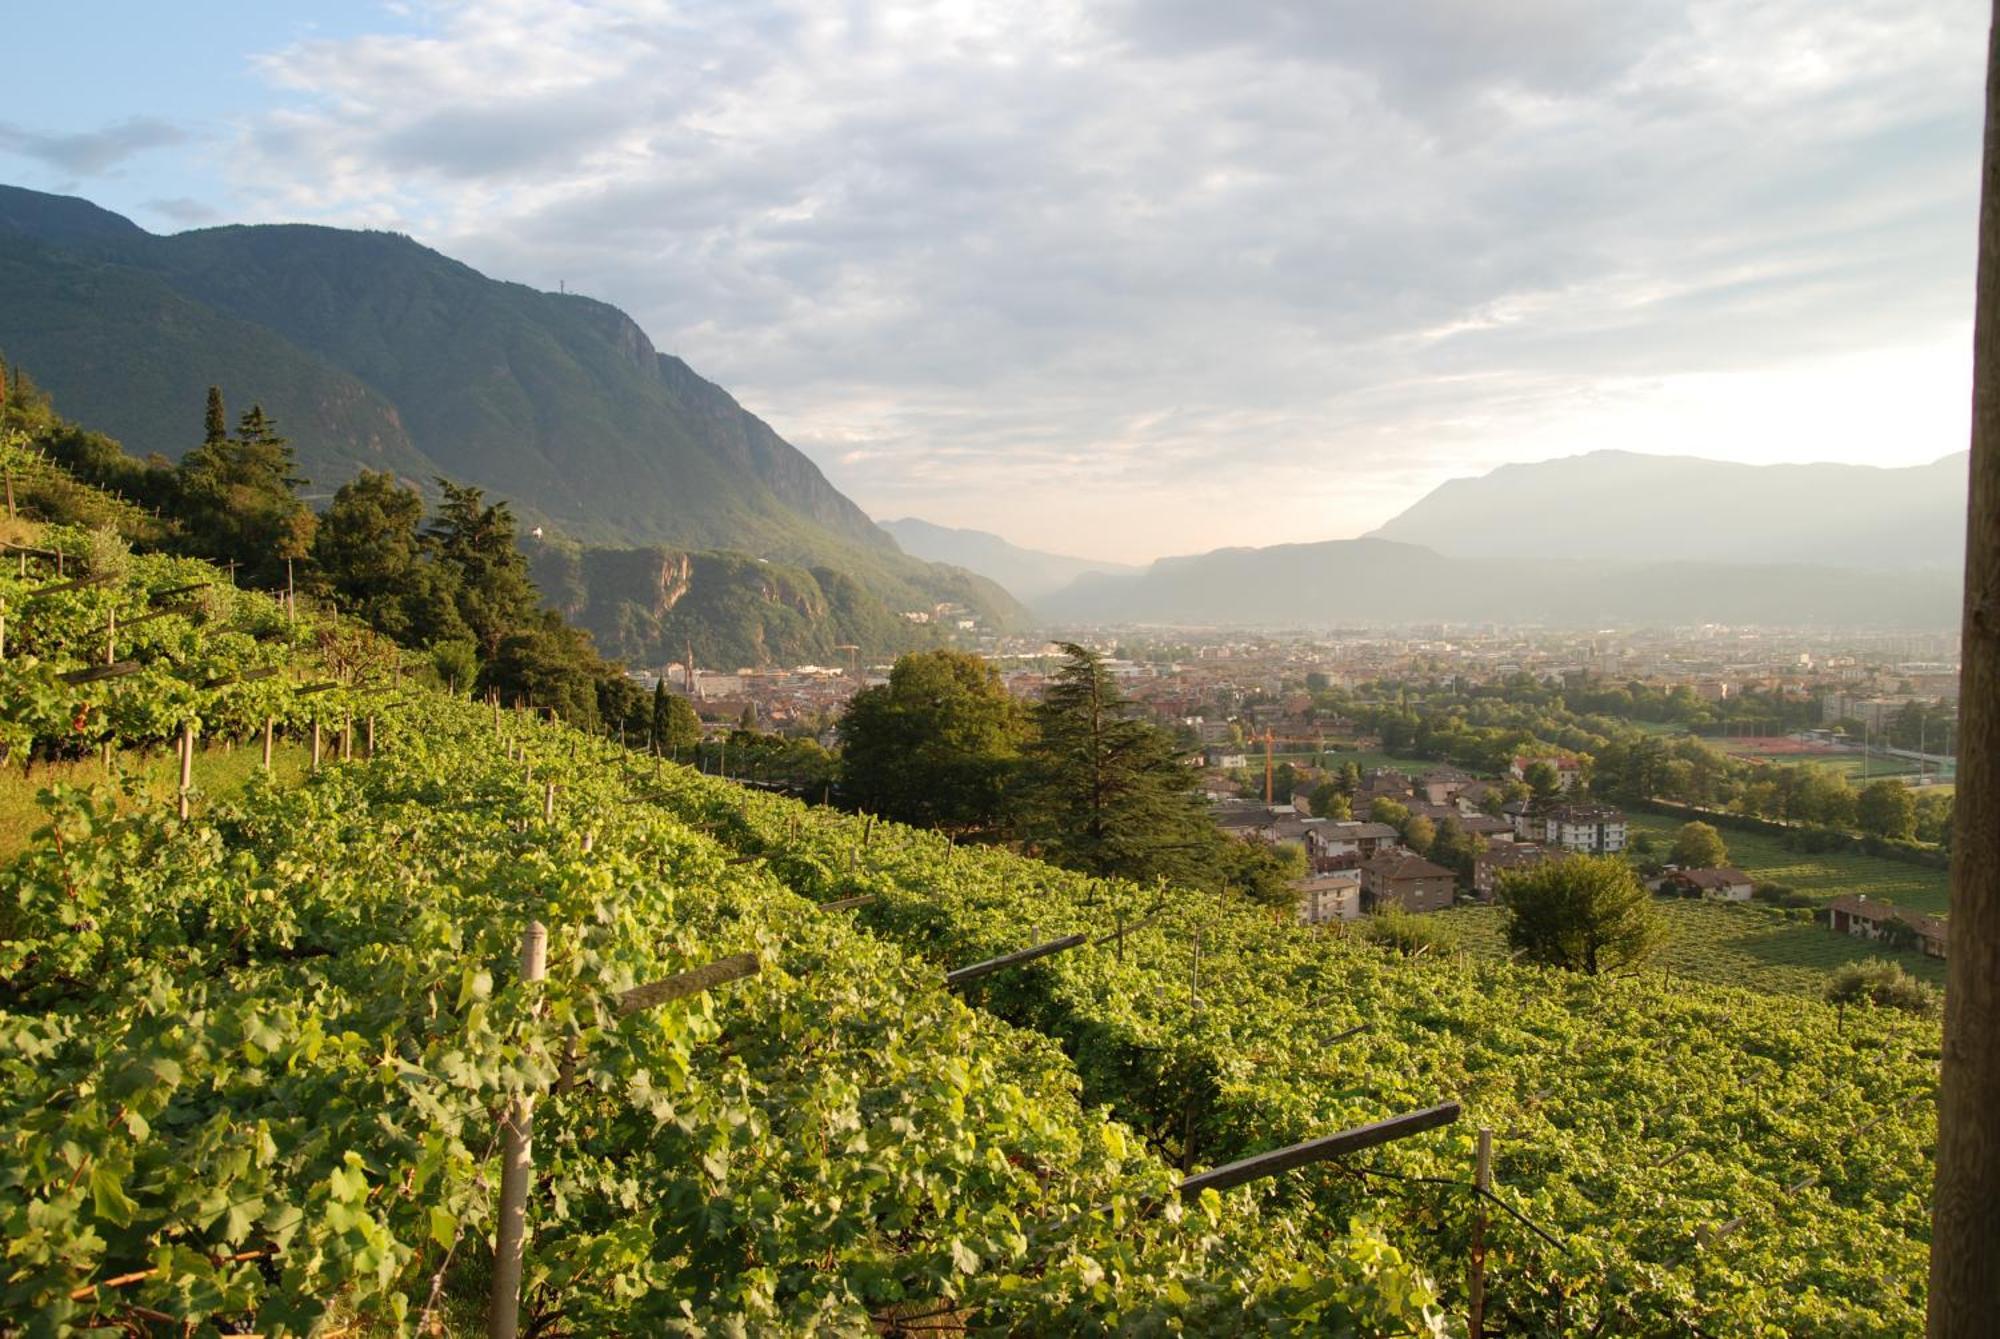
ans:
x=216 y=424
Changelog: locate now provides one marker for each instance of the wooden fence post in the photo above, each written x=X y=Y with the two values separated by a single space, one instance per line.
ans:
x=549 y=804
x=517 y=1166
x=111 y=638
x=268 y=724
x=371 y=736
x=187 y=764
x=315 y=754
x=347 y=736
x=1482 y=1180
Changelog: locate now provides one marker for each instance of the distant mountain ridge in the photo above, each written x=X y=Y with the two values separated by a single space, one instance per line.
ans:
x=1623 y=506
x=1029 y=574
x=374 y=352
x=1379 y=582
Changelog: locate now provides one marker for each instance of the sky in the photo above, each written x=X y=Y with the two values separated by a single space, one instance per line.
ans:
x=1124 y=279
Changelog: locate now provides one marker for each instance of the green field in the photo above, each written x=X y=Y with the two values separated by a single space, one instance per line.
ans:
x=1821 y=876
x=1750 y=946
x=1367 y=762
x=216 y=773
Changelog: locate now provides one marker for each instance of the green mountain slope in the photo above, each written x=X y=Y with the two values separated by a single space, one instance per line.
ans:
x=375 y=352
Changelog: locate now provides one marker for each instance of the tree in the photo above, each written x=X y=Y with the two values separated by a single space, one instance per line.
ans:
x=1880 y=982
x=1103 y=792
x=1584 y=913
x=1388 y=809
x=1887 y=809
x=237 y=498
x=493 y=594
x=455 y=661
x=1699 y=846
x=1454 y=847
x=1419 y=833
x=1328 y=802
x=370 y=559
x=1542 y=777
x=936 y=745
x=675 y=727
x=215 y=426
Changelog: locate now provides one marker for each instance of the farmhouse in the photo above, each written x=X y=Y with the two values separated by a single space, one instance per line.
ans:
x=1724 y=885
x=1865 y=917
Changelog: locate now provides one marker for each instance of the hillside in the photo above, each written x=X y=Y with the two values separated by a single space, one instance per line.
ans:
x=1028 y=574
x=1380 y=582
x=375 y=352
x=250 y=1055
x=1625 y=507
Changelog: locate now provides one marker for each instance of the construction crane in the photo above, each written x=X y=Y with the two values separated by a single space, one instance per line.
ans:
x=853 y=657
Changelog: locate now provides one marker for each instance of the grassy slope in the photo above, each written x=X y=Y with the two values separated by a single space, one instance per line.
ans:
x=1822 y=876
x=1726 y=945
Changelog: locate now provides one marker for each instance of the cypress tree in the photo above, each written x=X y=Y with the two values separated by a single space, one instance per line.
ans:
x=216 y=427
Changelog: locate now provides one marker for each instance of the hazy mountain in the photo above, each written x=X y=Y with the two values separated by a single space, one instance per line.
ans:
x=1378 y=582
x=373 y=351
x=1028 y=573
x=1618 y=505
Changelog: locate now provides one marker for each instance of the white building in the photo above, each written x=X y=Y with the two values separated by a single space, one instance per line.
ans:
x=1325 y=898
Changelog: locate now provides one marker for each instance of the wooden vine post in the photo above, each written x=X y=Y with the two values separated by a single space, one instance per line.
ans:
x=1964 y=1297
x=315 y=750
x=549 y=803
x=268 y=726
x=370 y=739
x=347 y=736
x=1482 y=1181
x=187 y=764
x=517 y=1168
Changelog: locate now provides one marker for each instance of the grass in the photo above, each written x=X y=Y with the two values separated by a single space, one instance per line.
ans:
x=1367 y=762
x=1764 y=858
x=1727 y=945
x=217 y=773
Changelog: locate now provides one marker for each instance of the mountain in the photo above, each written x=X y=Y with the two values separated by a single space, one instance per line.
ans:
x=372 y=351
x=1379 y=582
x=1028 y=574
x=1622 y=506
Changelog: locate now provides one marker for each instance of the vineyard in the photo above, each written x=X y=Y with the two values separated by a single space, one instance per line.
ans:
x=256 y=1062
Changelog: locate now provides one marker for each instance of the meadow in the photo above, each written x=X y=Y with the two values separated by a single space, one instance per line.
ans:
x=1826 y=876
x=1749 y=946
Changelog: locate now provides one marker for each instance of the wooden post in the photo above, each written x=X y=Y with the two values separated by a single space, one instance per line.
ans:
x=371 y=736
x=187 y=764
x=315 y=753
x=1259 y=1165
x=111 y=638
x=346 y=736
x=268 y=724
x=517 y=1166
x=1482 y=1180
x=1965 y=1214
x=549 y=804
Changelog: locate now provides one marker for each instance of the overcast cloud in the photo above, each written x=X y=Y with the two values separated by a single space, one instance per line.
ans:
x=1135 y=278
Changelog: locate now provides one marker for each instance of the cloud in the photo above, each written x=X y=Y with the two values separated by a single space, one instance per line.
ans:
x=186 y=211
x=90 y=153
x=1174 y=274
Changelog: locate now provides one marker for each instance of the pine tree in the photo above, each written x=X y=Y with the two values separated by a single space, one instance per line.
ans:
x=1106 y=793
x=216 y=426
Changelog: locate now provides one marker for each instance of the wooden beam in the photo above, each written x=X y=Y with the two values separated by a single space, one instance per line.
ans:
x=1964 y=1295
x=1259 y=1165
x=96 y=672
x=694 y=982
x=1014 y=959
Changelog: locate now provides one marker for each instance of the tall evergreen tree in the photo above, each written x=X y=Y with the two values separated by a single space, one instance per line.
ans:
x=676 y=729
x=216 y=424
x=494 y=593
x=1106 y=793
x=238 y=498
x=935 y=745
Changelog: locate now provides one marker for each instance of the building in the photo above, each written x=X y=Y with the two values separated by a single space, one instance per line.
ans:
x=1568 y=770
x=1723 y=885
x=1329 y=897
x=1442 y=785
x=1495 y=862
x=1588 y=829
x=1867 y=917
x=1350 y=843
x=1404 y=879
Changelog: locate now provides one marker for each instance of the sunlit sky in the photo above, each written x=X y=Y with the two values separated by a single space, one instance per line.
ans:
x=1125 y=279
